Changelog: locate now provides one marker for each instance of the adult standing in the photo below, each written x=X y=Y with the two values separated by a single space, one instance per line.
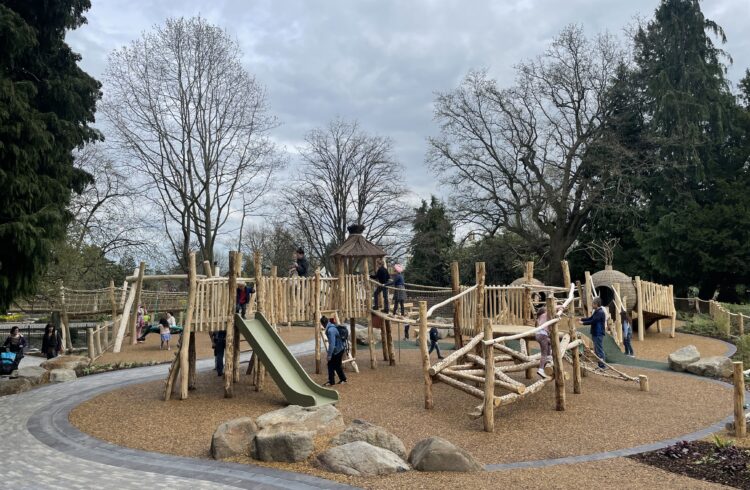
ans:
x=381 y=275
x=51 y=342
x=597 y=320
x=16 y=343
x=301 y=265
x=335 y=352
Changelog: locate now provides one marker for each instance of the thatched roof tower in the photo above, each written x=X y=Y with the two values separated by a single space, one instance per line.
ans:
x=603 y=281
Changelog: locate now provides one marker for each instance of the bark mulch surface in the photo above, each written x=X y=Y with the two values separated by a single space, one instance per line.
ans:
x=609 y=415
x=149 y=350
x=703 y=460
x=658 y=346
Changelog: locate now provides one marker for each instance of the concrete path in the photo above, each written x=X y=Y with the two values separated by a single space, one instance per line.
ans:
x=43 y=450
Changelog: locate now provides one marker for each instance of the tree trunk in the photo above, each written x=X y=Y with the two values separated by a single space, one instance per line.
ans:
x=557 y=250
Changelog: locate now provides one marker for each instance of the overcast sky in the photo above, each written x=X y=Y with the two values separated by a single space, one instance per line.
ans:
x=380 y=61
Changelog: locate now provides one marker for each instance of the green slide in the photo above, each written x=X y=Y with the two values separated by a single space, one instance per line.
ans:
x=284 y=368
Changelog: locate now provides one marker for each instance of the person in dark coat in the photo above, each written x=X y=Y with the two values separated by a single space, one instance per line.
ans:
x=301 y=265
x=381 y=275
x=15 y=343
x=219 y=343
x=51 y=342
x=598 y=321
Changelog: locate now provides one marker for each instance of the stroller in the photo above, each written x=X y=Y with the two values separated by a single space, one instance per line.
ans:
x=8 y=362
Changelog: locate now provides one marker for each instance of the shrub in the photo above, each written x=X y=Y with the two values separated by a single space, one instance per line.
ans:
x=701 y=324
x=743 y=350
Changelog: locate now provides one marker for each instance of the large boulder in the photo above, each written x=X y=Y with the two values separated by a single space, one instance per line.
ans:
x=62 y=375
x=13 y=386
x=76 y=363
x=287 y=434
x=234 y=438
x=712 y=367
x=359 y=430
x=360 y=458
x=361 y=332
x=436 y=454
x=279 y=444
x=35 y=374
x=321 y=420
x=680 y=359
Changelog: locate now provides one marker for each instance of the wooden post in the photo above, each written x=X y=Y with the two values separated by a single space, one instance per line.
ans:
x=389 y=336
x=90 y=343
x=575 y=354
x=488 y=410
x=341 y=287
x=479 y=312
x=740 y=424
x=67 y=343
x=260 y=298
x=673 y=325
x=137 y=302
x=207 y=268
x=368 y=301
x=581 y=297
x=191 y=362
x=589 y=293
x=229 y=311
x=556 y=358
x=643 y=381
x=184 y=361
x=316 y=319
x=458 y=340
x=639 y=305
x=98 y=339
x=617 y=334
x=425 y=355
x=113 y=304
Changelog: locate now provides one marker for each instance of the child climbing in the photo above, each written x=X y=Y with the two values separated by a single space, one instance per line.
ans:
x=244 y=295
x=165 y=333
x=381 y=275
x=545 y=344
x=627 y=333
x=434 y=336
x=335 y=352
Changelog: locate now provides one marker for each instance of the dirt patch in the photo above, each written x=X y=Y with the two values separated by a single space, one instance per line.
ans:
x=149 y=350
x=609 y=415
x=720 y=463
x=657 y=346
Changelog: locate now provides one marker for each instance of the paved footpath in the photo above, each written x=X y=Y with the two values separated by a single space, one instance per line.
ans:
x=43 y=450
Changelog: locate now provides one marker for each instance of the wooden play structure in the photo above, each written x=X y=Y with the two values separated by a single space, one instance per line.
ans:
x=648 y=302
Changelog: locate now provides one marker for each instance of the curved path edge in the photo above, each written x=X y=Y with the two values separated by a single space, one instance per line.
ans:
x=49 y=424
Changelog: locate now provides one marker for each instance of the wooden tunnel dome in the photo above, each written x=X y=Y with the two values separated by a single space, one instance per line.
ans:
x=603 y=281
x=525 y=280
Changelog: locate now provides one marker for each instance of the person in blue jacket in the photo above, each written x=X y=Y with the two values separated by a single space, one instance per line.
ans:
x=598 y=321
x=335 y=352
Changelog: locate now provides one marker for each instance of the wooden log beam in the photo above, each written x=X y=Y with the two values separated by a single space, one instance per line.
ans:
x=530 y=390
x=137 y=302
x=499 y=374
x=235 y=263
x=455 y=355
x=470 y=390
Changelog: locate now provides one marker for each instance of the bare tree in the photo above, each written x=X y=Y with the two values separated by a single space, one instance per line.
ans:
x=195 y=123
x=534 y=159
x=105 y=214
x=347 y=177
x=275 y=242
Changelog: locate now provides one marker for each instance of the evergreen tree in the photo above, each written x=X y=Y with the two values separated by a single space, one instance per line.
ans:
x=431 y=245
x=692 y=228
x=46 y=105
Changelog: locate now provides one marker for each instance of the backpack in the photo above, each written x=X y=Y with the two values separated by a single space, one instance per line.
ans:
x=343 y=336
